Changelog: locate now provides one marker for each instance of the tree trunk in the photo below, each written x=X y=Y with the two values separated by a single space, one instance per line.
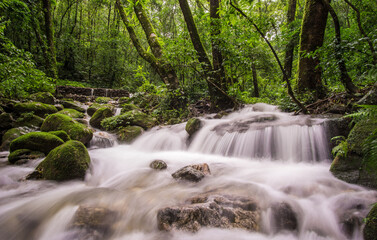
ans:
x=311 y=38
x=344 y=77
x=292 y=42
x=255 y=79
x=49 y=30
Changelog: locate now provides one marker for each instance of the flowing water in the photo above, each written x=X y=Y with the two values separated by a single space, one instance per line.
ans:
x=257 y=152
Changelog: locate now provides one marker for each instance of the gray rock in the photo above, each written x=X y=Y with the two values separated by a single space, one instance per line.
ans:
x=158 y=165
x=193 y=173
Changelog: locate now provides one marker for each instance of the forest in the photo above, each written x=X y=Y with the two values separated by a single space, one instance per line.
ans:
x=188 y=119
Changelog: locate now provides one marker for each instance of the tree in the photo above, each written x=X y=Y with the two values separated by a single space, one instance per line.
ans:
x=292 y=42
x=311 y=38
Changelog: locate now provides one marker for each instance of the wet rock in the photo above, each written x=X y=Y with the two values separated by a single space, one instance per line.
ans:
x=93 y=222
x=43 y=97
x=337 y=126
x=351 y=221
x=128 y=134
x=66 y=162
x=220 y=211
x=283 y=217
x=74 y=129
x=39 y=109
x=99 y=115
x=193 y=173
x=10 y=135
x=370 y=229
x=158 y=165
x=21 y=156
x=36 y=141
x=28 y=120
x=95 y=106
x=192 y=126
x=131 y=118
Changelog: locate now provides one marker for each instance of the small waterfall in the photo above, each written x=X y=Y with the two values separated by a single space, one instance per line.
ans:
x=117 y=111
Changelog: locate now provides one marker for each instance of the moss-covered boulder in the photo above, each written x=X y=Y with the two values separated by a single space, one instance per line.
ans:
x=123 y=100
x=95 y=106
x=99 y=115
x=348 y=163
x=72 y=113
x=131 y=118
x=128 y=134
x=73 y=105
x=370 y=229
x=28 y=120
x=39 y=109
x=10 y=135
x=36 y=141
x=103 y=100
x=74 y=129
x=192 y=126
x=43 y=97
x=61 y=134
x=66 y=162
x=128 y=107
x=21 y=156
x=6 y=121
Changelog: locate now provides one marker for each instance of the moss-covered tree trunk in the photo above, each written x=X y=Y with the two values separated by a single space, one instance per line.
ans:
x=162 y=67
x=311 y=38
x=292 y=42
x=49 y=31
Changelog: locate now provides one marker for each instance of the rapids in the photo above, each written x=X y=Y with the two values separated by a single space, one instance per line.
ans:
x=257 y=152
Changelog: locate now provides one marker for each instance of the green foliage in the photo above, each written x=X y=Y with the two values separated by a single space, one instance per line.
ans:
x=370 y=149
x=342 y=146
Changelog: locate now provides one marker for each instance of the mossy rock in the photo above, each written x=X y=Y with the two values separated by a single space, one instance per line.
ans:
x=370 y=229
x=128 y=107
x=66 y=162
x=61 y=134
x=6 y=121
x=23 y=155
x=192 y=126
x=37 y=141
x=28 y=120
x=95 y=106
x=43 y=97
x=123 y=100
x=74 y=129
x=128 y=134
x=103 y=100
x=10 y=135
x=39 y=109
x=99 y=115
x=1 y=110
x=72 y=113
x=73 y=105
x=131 y=118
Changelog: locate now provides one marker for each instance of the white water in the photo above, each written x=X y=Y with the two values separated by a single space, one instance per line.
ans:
x=120 y=179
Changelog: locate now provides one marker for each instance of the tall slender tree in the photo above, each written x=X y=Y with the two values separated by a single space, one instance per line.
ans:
x=289 y=50
x=49 y=31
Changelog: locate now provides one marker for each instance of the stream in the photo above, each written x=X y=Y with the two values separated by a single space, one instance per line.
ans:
x=257 y=152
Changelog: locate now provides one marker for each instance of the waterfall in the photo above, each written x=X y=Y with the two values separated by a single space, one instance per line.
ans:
x=257 y=152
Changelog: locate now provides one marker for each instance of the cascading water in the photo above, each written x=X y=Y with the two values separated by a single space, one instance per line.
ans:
x=270 y=156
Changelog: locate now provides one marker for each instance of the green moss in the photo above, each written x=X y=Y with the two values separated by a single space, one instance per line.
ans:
x=130 y=118
x=73 y=105
x=61 y=134
x=74 y=129
x=99 y=115
x=123 y=100
x=43 y=97
x=66 y=162
x=6 y=121
x=128 y=107
x=39 y=109
x=95 y=106
x=37 y=141
x=192 y=126
x=24 y=155
x=370 y=229
x=359 y=133
x=130 y=133
x=72 y=113
x=28 y=120
x=103 y=100
x=9 y=136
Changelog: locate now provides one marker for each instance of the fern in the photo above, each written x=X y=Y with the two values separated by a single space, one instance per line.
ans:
x=366 y=111
x=342 y=146
x=370 y=147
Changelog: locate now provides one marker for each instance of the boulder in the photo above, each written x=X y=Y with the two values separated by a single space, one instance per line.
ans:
x=94 y=223
x=21 y=156
x=75 y=130
x=128 y=134
x=220 y=211
x=283 y=217
x=192 y=126
x=123 y=100
x=66 y=162
x=95 y=106
x=192 y=173
x=131 y=118
x=72 y=105
x=6 y=121
x=158 y=165
x=61 y=134
x=28 y=120
x=39 y=109
x=99 y=115
x=103 y=100
x=43 y=97
x=36 y=141
x=71 y=113
x=370 y=229
x=10 y=135
x=126 y=107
